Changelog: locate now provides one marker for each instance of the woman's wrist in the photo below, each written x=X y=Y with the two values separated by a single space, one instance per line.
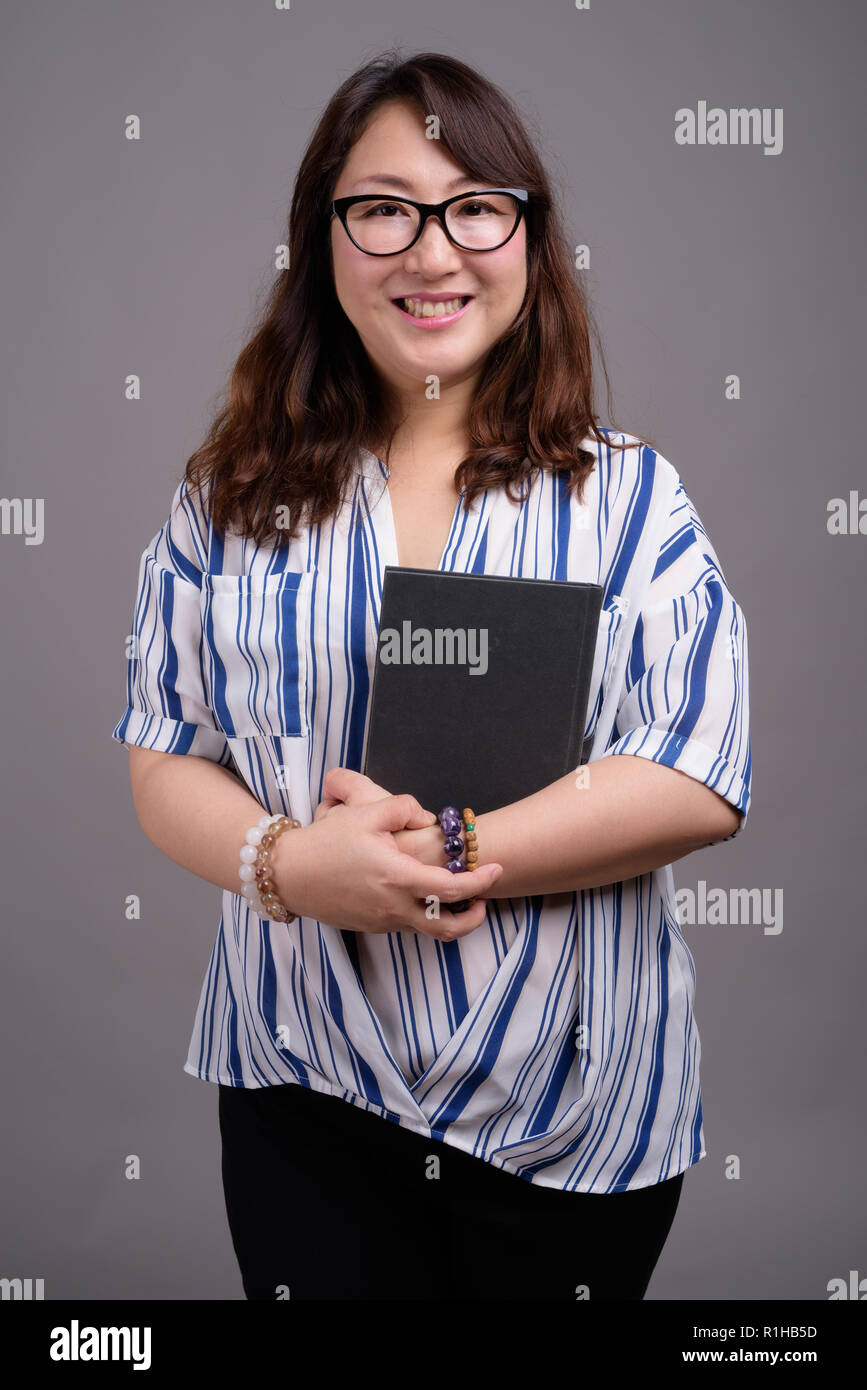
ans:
x=427 y=845
x=287 y=862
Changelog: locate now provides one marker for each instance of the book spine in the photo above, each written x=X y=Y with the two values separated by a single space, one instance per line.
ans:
x=576 y=730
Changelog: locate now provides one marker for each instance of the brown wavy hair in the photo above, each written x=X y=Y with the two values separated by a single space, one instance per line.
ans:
x=303 y=396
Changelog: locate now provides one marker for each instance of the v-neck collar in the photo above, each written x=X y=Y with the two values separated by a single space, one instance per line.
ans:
x=373 y=468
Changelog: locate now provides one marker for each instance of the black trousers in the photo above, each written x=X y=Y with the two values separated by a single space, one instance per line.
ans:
x=328 y=1201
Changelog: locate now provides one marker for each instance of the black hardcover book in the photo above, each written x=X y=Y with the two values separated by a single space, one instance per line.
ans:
x=481 y=685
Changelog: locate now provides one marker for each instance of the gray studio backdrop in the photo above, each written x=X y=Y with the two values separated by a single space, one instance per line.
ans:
x=707 y=263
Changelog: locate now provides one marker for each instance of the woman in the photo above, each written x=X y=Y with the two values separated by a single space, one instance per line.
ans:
x=493 y=1103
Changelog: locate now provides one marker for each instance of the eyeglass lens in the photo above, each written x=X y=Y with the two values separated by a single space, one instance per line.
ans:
x=478 y=224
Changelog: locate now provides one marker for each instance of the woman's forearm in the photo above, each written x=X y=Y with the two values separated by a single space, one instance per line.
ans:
x=632 y=816
x=624 y=816
x=197 y=813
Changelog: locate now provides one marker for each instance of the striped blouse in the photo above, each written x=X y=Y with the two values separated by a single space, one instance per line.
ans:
x=557 y=1041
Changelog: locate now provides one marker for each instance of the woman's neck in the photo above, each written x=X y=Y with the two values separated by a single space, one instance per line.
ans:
x=430 y=466
x=432 y=437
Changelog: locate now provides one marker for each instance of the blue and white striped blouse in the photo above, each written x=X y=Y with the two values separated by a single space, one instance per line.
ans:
x=557 y=1040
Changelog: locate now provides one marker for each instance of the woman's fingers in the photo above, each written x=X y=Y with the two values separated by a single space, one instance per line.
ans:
x=448 y=926
x=426 y=881
x=342 y=786
x=398 y=813
x=353 y=788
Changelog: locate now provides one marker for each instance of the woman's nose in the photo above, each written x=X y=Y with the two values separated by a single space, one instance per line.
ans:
x=433 y=250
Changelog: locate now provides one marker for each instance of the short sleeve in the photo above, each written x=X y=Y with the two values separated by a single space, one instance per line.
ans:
x=167 y=708
x=685 y=695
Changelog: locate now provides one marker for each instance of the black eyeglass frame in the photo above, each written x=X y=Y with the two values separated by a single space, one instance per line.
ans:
x=340 y=206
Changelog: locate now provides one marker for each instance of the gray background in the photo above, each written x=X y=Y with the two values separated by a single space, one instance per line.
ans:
x=146 y=257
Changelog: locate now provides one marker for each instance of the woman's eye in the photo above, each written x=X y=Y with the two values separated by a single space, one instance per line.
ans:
x=380 y=206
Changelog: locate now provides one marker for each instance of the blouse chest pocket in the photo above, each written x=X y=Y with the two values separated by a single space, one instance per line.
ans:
x=255 y=651
x=611 y=621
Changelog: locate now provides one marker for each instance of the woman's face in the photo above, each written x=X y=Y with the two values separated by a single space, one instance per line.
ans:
x=406 y=351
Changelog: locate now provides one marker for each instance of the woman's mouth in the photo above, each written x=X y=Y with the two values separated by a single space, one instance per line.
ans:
x=427 y=313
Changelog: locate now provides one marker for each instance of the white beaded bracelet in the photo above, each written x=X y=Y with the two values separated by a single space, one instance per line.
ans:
x=255 y=861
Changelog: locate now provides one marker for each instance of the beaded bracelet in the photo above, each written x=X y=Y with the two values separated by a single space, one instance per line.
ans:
x=258 y=888
x=451 y=823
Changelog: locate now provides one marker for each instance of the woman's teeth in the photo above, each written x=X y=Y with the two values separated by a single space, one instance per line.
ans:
x=427 y=309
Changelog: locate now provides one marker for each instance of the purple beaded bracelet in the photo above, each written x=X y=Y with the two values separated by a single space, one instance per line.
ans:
x=451 y=823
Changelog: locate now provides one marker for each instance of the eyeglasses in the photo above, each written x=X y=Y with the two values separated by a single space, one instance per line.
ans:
x=482 y=220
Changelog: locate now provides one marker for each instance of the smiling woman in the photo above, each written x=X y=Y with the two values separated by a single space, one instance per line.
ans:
x=467 y=252
x=342 y=362
x=420 y=392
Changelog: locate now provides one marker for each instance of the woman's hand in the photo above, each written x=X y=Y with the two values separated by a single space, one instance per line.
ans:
x=342 y=786
x=346 y=869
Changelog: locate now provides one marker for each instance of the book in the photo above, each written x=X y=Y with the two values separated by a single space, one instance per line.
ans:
x=480 y=687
